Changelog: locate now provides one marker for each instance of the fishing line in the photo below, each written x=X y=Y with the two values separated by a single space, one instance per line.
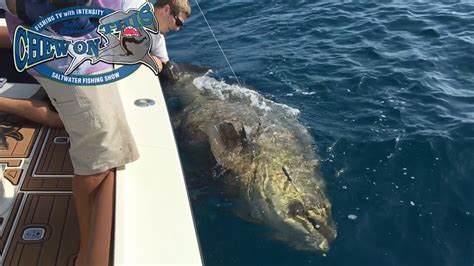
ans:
x=228 y=63
x=218 y=44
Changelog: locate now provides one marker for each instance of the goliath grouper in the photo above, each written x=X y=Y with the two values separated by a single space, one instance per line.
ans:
x=266 y=155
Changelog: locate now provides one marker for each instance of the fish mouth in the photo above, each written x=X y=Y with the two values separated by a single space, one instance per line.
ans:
x=327 y=232
x=320 y=234
x=314 y=222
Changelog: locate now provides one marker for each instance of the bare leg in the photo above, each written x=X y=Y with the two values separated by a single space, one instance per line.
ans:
x=101 y=223
x=4 y=39
x=93 y=196
x=34 y=110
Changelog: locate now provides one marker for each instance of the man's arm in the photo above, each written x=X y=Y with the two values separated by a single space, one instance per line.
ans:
x=158 y=50
x=33 y=110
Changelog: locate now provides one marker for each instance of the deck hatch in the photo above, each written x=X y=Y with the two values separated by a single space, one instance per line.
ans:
x=144 y=102
x=61 y=140
x=33 y=234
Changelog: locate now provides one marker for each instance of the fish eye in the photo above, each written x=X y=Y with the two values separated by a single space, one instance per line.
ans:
x=315 y=223
x=296 y=208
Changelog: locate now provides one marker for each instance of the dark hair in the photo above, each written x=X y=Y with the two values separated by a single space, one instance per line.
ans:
x=178 y=6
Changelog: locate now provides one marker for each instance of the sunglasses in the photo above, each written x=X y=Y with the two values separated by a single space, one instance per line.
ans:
x=177 y=20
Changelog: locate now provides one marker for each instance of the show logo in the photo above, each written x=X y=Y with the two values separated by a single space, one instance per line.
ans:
x=122 y=37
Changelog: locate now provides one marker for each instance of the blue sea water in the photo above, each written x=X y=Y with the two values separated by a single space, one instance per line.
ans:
x=387 y=91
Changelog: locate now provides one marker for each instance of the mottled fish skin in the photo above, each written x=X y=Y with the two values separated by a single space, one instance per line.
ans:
x=270 y=156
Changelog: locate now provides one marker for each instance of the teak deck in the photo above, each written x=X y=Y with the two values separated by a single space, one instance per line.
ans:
x=38 y=166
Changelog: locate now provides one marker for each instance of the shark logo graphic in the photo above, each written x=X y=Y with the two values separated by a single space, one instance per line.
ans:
x=130 y=48
x=125 y=39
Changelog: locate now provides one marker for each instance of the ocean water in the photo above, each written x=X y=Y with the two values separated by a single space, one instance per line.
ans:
x=387 y=91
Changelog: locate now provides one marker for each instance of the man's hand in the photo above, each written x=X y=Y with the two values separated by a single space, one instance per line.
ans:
x=158 y=62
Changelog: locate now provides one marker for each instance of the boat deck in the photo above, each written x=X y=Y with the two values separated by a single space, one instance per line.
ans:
x=38 y=220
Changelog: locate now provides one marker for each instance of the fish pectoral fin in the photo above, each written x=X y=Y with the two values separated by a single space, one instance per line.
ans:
x=246 y=216
x=218 y=172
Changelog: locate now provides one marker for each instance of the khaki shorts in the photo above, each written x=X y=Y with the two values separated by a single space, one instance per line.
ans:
x=95 y=120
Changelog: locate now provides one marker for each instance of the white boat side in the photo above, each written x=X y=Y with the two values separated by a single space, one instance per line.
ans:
x=153 y=219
